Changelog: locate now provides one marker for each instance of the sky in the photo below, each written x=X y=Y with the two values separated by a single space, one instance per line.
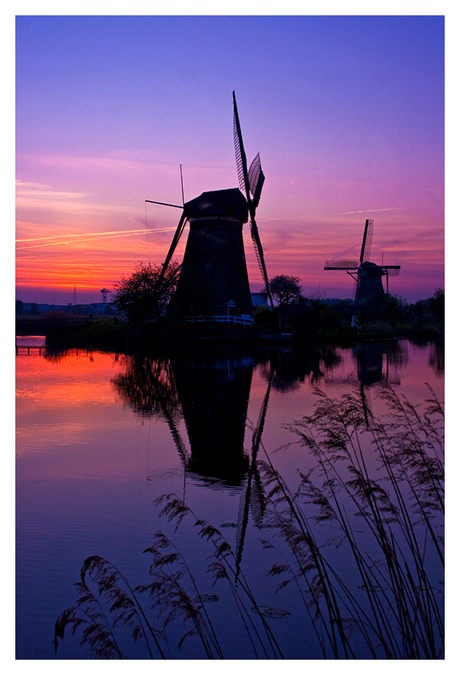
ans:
x=347 y=113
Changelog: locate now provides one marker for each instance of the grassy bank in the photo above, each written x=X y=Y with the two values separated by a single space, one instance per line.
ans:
x=109 y=333
x=381 y=330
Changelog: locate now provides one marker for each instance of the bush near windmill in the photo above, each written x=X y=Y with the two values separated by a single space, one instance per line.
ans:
x=140 y=296
x=284 y=289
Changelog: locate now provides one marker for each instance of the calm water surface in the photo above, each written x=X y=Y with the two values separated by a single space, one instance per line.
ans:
x=100 y=436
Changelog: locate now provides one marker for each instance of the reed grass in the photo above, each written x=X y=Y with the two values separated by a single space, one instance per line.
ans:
x=375 y=491
x=402 y=508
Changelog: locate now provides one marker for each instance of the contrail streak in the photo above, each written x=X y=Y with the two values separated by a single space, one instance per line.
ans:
x=349 y=213
x=64 y=239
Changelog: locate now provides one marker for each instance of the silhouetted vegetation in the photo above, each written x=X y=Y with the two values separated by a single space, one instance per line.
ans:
x=144 y=296
x=383 y=504
x=144 y=319
x=284 y=289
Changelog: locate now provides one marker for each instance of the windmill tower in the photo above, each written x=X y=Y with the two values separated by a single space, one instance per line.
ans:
x=104 y=292
x=368 y=275
x=213 y=285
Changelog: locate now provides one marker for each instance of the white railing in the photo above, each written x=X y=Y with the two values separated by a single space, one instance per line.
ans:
x=221 y=318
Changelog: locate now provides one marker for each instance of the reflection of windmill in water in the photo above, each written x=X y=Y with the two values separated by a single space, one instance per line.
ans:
x=148 y=387
x=253 y=496
x=368 y=275
x=209 y=392
x=214 y=394
x=371 y=370
x=214 y=388
x=213 y=285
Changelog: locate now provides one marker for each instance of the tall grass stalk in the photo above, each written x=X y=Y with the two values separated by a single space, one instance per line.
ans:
x=402 y=510
x=174 y=595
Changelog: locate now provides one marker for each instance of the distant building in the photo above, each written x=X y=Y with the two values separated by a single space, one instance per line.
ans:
x=259 y=300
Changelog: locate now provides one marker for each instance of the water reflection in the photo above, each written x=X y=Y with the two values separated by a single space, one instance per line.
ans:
x=288 y=369
x=436 y=358
x=370 y=367
x=209 y=388
x=194 y=395
x=370 y=361
x=214 y=388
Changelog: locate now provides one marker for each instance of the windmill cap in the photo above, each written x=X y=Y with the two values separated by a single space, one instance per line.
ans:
x=371 y=268
x=218 y=203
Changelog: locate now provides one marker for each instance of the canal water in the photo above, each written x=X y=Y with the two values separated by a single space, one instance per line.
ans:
x=218 y=436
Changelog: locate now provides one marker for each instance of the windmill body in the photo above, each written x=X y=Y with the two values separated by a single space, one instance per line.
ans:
x=369 y=289
x=368 y=275
x=214 y=280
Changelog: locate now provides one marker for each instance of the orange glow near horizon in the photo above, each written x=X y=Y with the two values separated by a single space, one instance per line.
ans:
x=95 y=259
x=78 y=237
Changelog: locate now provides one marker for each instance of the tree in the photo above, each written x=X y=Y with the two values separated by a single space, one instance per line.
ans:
x=436 y=304
x=285 y=289
x=393 y=309
x=145 y=295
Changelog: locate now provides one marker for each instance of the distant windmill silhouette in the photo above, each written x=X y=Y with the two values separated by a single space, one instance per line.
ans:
x=368 y=275
x=213 y=280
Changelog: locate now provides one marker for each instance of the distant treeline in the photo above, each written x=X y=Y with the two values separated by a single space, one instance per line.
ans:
x=306 y=320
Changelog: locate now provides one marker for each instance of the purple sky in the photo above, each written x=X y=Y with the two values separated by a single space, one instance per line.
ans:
x=347 y=113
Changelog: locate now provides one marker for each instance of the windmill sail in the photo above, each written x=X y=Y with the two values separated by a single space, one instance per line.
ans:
x=367 y=241
x=240 y=155
x=260 y=257
x=256 y=180
x=253 y=494
x=172 y=248
x=251 y=183
x=175 y=241
x=341 y=265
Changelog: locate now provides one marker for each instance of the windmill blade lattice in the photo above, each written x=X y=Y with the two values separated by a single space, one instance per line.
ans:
x=341 y=265
x=240 y=155
x=256 y=179
x=259 y=255
x=250 y=183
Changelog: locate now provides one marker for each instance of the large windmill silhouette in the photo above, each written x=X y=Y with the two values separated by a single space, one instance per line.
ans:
x=213 y=283
x=368 y=275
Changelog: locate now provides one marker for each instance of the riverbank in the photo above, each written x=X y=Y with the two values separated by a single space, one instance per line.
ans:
x=109 y=333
